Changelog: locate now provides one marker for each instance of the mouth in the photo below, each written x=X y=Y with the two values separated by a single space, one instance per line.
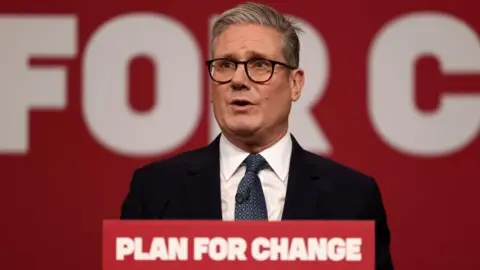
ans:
x=241 y=103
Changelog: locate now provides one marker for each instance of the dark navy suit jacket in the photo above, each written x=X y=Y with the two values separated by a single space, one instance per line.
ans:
x=187 y=186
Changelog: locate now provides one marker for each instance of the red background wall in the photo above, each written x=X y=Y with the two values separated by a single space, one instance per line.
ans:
x=54 y=195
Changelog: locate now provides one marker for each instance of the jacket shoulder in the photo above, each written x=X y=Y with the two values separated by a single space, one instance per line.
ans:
x=174 y=163
x=339 y=173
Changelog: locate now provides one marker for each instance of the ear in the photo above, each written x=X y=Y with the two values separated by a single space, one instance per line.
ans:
x=297 y=82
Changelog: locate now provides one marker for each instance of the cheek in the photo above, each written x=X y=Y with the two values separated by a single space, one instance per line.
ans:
x=217 y=96
x=275 y=97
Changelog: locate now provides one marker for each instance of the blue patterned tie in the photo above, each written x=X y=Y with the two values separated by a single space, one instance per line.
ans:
x=250 y=201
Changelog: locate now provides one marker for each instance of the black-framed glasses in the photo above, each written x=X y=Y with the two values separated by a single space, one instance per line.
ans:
x=259 y=70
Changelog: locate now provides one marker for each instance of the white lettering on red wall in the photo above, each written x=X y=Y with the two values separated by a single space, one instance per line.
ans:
x=391 y=79
x=180 y=77
x=178 y=86
x=23 y=88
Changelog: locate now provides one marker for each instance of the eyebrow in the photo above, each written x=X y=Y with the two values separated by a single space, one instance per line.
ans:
x=250 y=54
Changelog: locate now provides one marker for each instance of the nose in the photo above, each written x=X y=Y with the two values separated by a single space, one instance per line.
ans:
x=239 y=76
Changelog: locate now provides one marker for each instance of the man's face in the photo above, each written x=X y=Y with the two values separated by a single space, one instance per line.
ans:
x=269 y=102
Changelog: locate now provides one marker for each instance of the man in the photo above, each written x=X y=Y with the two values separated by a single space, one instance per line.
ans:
x=255 y=169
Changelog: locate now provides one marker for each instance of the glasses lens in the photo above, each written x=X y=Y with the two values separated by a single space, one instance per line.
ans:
x=259 y=70
x=222 y=70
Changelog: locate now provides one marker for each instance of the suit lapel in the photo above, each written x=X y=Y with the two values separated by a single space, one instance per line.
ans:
x=203 y=183
x=301 y=201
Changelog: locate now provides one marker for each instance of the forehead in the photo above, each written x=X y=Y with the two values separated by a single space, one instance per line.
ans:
x=245 y=41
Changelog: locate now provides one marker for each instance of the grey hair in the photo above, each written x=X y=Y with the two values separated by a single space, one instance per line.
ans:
x=259 y=14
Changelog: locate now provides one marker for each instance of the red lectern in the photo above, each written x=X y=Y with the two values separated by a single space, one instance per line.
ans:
x=252 y=245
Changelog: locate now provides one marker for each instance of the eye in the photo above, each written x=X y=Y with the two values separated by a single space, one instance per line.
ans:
x=260 y=64
x=227 y=64
x=224 y=64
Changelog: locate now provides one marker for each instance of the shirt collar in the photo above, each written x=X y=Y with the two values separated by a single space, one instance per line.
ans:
x=277 y=156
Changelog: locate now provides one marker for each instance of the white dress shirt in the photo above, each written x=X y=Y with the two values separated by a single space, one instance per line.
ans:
x=274 y=179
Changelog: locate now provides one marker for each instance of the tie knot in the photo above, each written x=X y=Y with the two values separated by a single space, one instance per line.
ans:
x=255 y=162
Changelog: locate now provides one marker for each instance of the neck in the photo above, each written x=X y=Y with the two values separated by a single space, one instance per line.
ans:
x=257 y=143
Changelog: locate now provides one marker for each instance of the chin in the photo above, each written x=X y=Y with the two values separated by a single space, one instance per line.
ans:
x=243 y=130
x=241 y=125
